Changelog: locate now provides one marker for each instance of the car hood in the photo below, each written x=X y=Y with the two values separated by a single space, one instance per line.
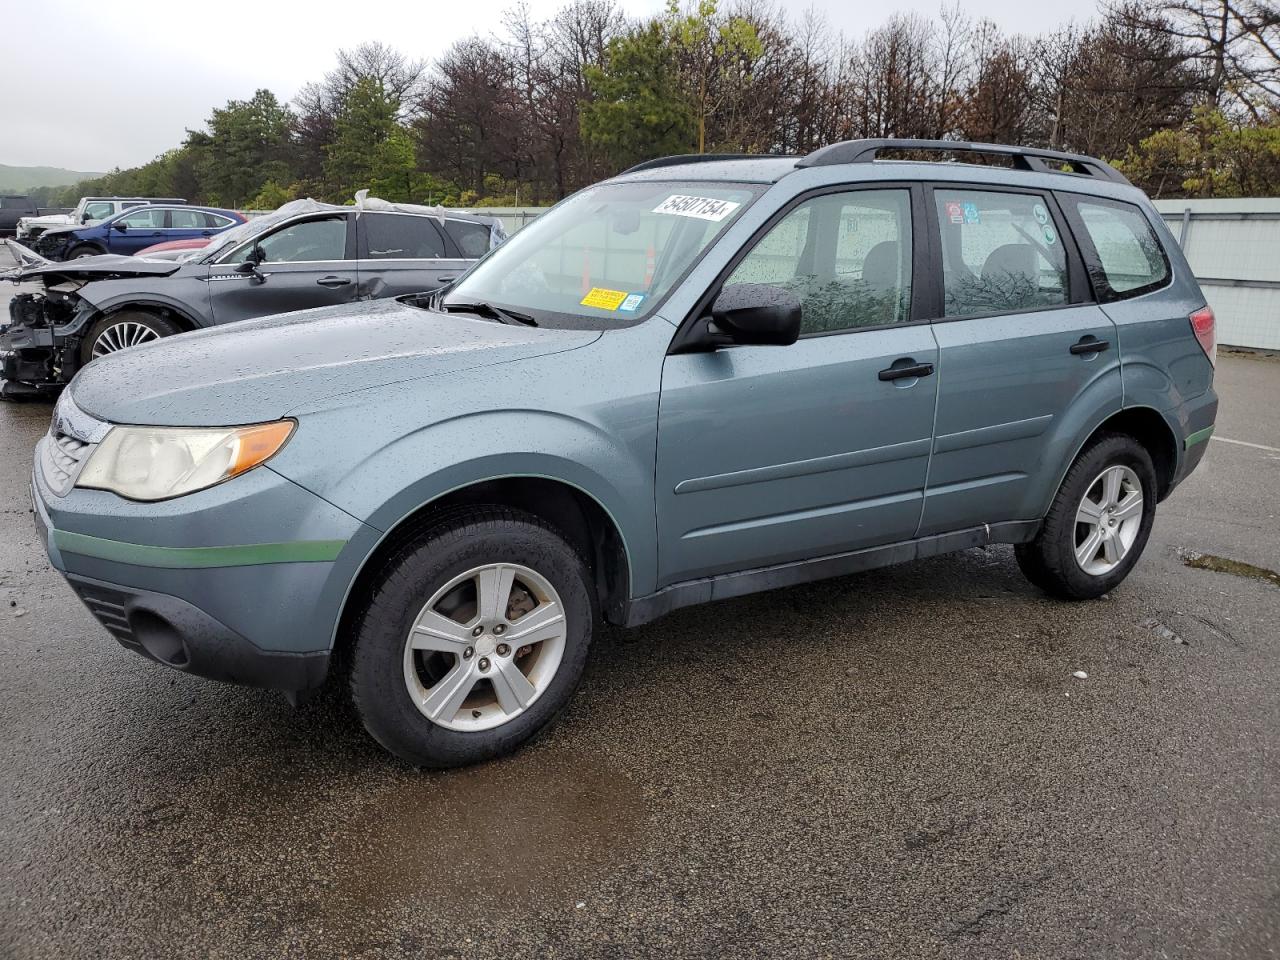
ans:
x=90 y=268
x=260 y=370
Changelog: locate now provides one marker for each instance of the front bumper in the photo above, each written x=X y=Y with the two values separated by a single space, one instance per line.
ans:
x=190 y=583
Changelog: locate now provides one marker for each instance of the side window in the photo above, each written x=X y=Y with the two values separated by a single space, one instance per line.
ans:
x=97 y=211
x=216 y=221
x=1126 y=258
x=309 y=240
x=847 y=256
x=1000 y=252
x=472 y=238
x=187 y=219
x=401 y=237
x=147 y=218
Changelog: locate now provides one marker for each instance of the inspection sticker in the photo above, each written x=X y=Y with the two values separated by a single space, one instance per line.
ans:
x=703 y=208
x=603 y=299
x=955 y=212
x=632 y=303
x=971 y=214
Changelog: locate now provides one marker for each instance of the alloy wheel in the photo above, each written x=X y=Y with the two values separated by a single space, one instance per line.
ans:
x=120 y=336
x=1108 y=520
x=485 y=647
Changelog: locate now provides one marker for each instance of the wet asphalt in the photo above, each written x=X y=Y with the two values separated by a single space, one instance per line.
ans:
x=895 y=764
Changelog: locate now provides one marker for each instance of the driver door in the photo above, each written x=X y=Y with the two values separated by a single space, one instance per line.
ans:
x=305 y=263
x=771 y=454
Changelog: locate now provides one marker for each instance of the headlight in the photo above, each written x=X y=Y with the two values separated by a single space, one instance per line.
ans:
x=156 y=463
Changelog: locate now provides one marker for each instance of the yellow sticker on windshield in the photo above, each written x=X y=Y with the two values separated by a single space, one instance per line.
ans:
x=603 y=299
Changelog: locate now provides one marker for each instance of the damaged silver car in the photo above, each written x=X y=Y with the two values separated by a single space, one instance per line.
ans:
x=306 y=254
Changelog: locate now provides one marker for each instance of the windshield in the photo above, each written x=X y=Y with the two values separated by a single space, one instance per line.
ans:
x=606 y=256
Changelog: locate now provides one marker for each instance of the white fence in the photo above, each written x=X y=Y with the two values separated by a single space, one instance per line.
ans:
x=1234 y=249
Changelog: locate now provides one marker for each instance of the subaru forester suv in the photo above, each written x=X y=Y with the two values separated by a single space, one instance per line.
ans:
x=702 y=378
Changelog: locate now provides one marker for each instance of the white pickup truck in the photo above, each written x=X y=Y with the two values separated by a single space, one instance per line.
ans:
x=87 y=210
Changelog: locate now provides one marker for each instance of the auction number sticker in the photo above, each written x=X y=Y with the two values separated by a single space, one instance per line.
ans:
x=603 y=299
x=702 y=208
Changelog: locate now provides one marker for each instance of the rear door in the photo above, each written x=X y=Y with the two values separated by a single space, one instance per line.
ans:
x=404 y=253
x=770 y=454
x=309 y=262
x=193 y=224
x=1023 y=347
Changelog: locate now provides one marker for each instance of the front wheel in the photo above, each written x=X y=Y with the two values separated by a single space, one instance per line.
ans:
x=81 y=253
x=472 y=639
x=128 y=328
x=1098 y=524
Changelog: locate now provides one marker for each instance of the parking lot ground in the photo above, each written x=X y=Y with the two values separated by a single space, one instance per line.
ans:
x=895 y=764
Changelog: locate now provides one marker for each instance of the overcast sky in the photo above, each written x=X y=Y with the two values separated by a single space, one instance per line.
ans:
x=94 y=85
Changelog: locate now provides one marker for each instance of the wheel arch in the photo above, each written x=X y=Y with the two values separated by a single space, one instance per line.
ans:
x=1147 y=427
x=579 y=515
x=181 y=317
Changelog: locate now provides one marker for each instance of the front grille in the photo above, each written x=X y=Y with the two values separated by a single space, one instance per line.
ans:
x=65 y=457
x=72 y=437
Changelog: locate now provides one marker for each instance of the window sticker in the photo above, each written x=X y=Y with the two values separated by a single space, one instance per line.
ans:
x=971 y=214
x=1041 y=214
x=602 y=299
x=632 y=303
x=955 y=212
x=701 y=208
x=1050 y=235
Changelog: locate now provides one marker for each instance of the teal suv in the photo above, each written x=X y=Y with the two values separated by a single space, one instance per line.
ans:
x=705 y=377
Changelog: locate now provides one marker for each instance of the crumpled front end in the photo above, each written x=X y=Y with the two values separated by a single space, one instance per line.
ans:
x=39 y=353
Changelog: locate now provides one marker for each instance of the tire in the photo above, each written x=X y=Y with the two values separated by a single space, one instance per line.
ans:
x=394 y=688
x=79 y=253
x=1052 y=561
x=124 y=329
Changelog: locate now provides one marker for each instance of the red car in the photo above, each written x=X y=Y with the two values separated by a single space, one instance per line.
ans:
x=173 y=249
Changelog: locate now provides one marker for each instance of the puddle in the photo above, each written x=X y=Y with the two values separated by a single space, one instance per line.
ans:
x=1238 y=568
x=485 y=839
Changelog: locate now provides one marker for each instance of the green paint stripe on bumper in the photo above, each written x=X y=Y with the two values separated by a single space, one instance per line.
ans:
x=1198 y=437
x=188 y=558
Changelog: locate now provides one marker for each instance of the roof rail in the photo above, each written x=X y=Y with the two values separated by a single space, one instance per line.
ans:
x=1031 y=159
x=678 y=159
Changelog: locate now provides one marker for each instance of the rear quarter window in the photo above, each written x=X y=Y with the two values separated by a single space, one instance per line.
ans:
x=1121 y=250
x=472 y=238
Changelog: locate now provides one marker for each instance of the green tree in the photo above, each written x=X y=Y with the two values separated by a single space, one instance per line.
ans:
x=710 y=46
x=247 y=144
x=371 y=149
x=638 y=109
x=1208 y=157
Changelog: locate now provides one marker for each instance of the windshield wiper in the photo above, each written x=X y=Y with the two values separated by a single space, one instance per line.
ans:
x=490 y=310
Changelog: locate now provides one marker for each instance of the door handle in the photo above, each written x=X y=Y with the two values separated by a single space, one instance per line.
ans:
x=908 y=369
x=1089 y=344
x=333 y=281
x=446 y=279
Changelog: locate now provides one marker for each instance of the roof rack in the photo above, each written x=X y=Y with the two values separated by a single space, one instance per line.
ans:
x=682 y=158
x=1030 y=159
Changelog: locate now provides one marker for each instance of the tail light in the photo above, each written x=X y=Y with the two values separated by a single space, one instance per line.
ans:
x=1202 y=324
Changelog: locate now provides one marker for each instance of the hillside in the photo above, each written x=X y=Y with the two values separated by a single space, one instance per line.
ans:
x=18 y=179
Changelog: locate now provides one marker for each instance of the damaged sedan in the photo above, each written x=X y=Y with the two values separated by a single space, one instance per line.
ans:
x=306 y=254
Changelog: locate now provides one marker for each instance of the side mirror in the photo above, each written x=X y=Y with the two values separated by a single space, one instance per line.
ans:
x=757 y=314
x=84 y=218
x=120 y=225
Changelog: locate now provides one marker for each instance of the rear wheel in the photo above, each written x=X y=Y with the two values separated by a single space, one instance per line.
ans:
x=128 y=328
x=473 y=638
x=1098 y=524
